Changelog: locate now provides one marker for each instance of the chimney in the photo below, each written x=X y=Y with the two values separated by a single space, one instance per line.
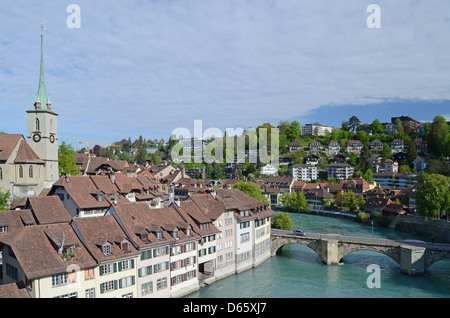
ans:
x=171 y=194
x=112 y=178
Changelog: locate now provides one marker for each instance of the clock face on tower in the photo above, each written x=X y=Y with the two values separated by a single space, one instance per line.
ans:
x=37 y=137
x=52 y=138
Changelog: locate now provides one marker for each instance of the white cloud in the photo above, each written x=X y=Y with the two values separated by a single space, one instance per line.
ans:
x=147 y=67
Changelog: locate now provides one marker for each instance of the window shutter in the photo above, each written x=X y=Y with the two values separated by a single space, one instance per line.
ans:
x=115 y=284
x=101 y=270
x=154 y=252
x=132 y=263
x=132 y=280
x=102 y=288
x=120 y=267
x=167 y=250
x=195 y=259
x=115 y=267
x=120 y=283
x=149 y=270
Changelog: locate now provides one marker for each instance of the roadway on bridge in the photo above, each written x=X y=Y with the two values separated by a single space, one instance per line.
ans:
x=363 y=240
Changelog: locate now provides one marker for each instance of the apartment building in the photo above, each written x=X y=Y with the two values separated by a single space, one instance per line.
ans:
x=251 y=217
x=116 y=256
x=340 y=171
x=204 y=227
x=316 y=130
x=303 y=172
x=153 y=242
x=225 y=239
x=354 y=146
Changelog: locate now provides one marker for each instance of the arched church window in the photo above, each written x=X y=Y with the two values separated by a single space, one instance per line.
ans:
x=20 y=172
x=30 y=172
x=38 y=126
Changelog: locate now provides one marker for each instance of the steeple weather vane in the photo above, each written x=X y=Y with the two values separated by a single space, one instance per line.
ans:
x=42 y=27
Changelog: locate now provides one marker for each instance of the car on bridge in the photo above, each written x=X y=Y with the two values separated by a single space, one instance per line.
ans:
x=299 y=232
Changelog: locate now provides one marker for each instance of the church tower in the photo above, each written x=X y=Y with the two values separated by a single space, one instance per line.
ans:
x=42 y=127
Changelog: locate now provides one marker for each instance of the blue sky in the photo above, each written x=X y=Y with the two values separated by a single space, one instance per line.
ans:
x=147 y=67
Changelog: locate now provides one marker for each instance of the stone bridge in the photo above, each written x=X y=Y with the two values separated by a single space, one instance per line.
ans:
x=413 y=257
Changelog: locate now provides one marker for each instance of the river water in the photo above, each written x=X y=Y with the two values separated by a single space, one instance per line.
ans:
x=296 y=272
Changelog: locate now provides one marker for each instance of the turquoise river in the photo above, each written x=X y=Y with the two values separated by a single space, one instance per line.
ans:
x=296 y=272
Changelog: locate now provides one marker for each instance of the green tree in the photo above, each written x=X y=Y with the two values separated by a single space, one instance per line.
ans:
x=141 y=155
x=400 y=129
x=295 y=202
x=362 y=136
x=282 y=221
x=433 y=195
x=344 y=126
x=251 y=189
x=386 y=153
x=437 y=166
x=377 y=127
x=349 y=200
x=353 y=123
x=293 y=133
x=363 y=161
x=368 y=175
x=438 y=138
x=411 y=153
x=4 y=200
x=156 y=160
x=67 y=162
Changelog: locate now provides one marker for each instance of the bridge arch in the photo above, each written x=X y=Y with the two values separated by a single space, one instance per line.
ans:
x=278 y=242
x=432 y=257
x=392 y=252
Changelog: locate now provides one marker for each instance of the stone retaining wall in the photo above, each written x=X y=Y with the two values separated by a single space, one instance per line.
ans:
x=437 y=230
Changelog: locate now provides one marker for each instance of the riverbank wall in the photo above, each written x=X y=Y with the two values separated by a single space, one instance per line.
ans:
x=435 y=230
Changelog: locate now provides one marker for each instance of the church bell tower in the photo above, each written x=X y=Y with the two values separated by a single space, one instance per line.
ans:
x=42 y=127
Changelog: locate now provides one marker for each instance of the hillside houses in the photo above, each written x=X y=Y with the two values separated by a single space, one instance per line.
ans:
x=354 y=146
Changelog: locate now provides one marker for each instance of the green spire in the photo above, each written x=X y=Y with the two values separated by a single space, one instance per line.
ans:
x=41 y=101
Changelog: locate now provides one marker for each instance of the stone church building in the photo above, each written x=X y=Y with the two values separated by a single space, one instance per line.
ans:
x=29 y=165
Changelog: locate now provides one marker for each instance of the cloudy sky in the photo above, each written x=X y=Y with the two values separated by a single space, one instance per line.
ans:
x=140 y=67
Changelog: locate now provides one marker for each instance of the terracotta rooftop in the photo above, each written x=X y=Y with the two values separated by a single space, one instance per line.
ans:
x=48 y=209
x=36 y=249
